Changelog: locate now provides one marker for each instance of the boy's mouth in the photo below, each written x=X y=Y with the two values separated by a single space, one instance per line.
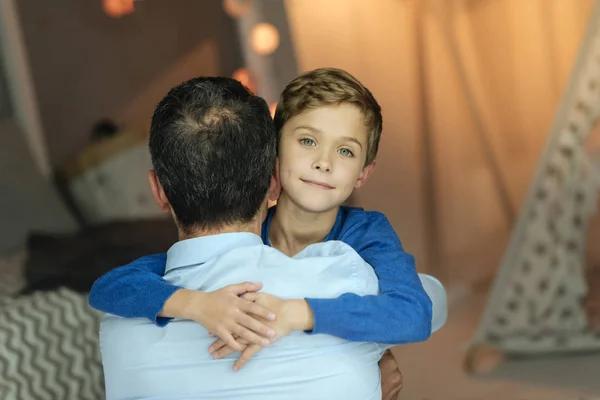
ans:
x=320 y=185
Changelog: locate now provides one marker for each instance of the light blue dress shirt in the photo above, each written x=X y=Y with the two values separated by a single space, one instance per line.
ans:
x=142 y=361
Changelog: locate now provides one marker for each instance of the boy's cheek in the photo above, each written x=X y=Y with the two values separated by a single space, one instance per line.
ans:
x=284 y=178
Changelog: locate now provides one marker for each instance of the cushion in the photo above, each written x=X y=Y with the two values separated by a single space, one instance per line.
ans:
x=49 y=348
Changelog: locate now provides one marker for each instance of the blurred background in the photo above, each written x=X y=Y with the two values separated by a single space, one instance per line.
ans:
x=469 y=89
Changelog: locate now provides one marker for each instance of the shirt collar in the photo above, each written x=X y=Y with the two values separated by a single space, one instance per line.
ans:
x=199 y=250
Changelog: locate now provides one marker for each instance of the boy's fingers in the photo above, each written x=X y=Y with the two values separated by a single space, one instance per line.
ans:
x=216 y=346
x=220 y=344
x=255 y=326
x=250 y=336
x=223 y=352
x=246 y=356
x=387 y=364
x=258 y=310
x=244 y=287
x=230 y=341
x=393 y=395
x=252 y=296
x=391 y=378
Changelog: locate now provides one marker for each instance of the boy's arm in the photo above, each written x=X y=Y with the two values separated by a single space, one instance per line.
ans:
x=401 y=313
x=136 y=290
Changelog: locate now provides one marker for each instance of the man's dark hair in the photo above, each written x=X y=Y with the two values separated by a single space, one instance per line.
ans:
x=213 y=147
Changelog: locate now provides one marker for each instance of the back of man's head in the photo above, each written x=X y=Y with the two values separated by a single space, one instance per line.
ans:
x=213 y=147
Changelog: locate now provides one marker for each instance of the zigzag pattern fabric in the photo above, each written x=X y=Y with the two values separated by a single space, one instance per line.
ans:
x=49 y=348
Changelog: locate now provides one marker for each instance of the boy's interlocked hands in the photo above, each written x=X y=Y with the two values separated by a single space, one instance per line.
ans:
x=292 y=315
x=227 y=314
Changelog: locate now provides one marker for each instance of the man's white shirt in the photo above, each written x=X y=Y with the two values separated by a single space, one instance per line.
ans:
x=142 y=361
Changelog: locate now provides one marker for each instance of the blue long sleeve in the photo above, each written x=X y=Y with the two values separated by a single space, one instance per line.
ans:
x=136 y=290
x=401 y=313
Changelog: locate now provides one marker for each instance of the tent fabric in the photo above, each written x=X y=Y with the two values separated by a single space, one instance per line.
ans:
x=536 y=301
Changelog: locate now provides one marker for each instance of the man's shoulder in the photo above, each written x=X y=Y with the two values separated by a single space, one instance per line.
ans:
x=258 y=254
x=331 y=248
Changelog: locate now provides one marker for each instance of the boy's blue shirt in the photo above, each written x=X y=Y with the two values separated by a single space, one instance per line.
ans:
x=401 y=313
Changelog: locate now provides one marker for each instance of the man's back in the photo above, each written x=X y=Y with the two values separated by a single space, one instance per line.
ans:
x=143 y=361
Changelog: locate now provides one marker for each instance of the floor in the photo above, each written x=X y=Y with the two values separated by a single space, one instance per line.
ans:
x=434 y=370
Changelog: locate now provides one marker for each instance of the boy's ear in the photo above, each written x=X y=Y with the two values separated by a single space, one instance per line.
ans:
x=157 y=191
x=275 y=187
x=364 y=175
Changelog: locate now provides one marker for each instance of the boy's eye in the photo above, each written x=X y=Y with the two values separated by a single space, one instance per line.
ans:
x=346 y=152
x=307 y=142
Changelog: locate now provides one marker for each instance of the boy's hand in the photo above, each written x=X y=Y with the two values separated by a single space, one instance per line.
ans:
x=224 y=313
x=292 y=315
x=391 y=378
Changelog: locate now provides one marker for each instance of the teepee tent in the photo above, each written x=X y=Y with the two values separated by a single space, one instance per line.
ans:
x=535 y=303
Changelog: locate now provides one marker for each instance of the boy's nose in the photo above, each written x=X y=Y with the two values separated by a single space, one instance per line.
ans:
x=322 y=166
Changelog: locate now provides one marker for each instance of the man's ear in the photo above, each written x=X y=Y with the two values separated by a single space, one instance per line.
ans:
x=157 y=191
x=364 y=175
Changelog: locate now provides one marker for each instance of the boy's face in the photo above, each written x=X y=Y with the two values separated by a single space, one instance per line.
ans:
x=322 y=155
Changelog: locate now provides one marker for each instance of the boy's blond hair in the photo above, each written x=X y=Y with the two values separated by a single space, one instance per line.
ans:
x=326 y=86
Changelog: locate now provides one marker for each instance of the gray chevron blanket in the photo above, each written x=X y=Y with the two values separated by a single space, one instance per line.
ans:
x=49 y=348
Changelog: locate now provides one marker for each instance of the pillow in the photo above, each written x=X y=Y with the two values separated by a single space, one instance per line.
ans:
x=49 y=348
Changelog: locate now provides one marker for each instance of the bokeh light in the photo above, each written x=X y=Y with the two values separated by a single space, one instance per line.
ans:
x=264 y=38
x=246 y=78
x=118 y=8
x=237 y=8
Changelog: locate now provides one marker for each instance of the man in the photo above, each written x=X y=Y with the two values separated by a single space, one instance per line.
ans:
x=213 y=148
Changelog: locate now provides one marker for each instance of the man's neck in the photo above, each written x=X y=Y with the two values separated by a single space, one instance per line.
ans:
x=252 y=227
x=293 y=229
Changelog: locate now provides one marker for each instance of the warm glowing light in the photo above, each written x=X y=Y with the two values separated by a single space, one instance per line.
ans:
x=272 y=108
x=246 y=78
x=237 y=8
x=264 y=38
x=118 y=8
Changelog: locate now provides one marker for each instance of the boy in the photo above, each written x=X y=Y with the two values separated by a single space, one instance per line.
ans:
x=328 y=126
